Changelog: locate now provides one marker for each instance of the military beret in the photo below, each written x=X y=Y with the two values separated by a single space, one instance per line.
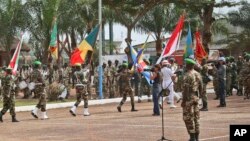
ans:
x=37 y=63
x=78 y=64
x=190 y=61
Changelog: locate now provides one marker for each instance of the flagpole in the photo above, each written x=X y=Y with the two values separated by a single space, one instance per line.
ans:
x=100 y=48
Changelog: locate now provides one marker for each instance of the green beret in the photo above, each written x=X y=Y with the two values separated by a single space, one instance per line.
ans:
x=190 y=61
x=37 y=63
x=125 y=64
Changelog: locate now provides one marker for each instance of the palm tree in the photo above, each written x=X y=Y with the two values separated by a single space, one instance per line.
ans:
x=13 y=17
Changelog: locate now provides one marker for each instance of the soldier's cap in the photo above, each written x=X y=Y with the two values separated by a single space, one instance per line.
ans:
x=190 y=61
x=78 y=64
x=125 y=64
x=222 y=59
x=37 y=63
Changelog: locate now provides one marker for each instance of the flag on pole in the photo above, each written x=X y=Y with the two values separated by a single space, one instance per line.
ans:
x=200 y=52
x=172 y=43
x=53 y=41
x=15 y=58
x=188 y=51
x=80 y=53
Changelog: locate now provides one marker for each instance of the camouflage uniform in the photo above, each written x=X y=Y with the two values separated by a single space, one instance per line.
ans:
x=234 y=77
x=245 y=76
x=228 y=78
x=66 y=79
x=135 y=82
x=204 y=74
x=126 y=89
x=81 y=91
x=191 y=115
x=37 y=78
x=215 y=81
x=1 y=76
x=8 y=97
x=240 y=79
x=109 y=75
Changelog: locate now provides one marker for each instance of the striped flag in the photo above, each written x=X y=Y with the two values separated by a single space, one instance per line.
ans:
x=15 y=58
x=53 y=41
x=188 y=51
x=80 y=53
x=172 y=43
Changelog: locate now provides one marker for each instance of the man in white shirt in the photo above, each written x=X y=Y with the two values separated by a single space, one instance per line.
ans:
x=167 y=83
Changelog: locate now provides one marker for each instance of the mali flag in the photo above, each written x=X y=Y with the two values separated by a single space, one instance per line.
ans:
x=53 y=42
x=85 y=48
x=188 y=50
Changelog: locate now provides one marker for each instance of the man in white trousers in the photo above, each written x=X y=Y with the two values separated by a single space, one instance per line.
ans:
x=167 y=83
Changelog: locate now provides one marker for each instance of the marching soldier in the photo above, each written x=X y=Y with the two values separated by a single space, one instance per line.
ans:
x=192 y=86
x=81 y=90
x=8 y=95
x=39 y=90
x=126 y=88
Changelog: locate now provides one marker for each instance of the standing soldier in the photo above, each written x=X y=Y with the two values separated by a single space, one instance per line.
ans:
x=228 y=77
x=215 y=81
x=66 y=71
x=240 y=62
x=205 y=80
x=8 y=96
x=221 y=81
x=110 y=71
x=104 y=79
x=81 y=90
x=116 y=79
x=192 y=86
x=37 y=78
x=234 y=75
x=126 y=88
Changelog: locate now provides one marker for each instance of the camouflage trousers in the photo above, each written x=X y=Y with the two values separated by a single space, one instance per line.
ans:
x=216 y=87
x=228 y=85
x=110 y=88
x=9 y=104
x=40 y=93
x=145 y=89
x=81 y=93
x=247 y=88
x=191 y=115
x=204 y=96
x=126 y=90
x=67 y=85
x=136 y=87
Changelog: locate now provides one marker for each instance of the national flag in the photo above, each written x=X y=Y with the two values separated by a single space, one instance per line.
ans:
x=53 y=41
x=172 y=43
x=188 y=51
x=15 y=58
x=200 y=52
x=80 y=53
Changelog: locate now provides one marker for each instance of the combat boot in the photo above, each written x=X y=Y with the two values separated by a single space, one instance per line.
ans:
x=14 y=119
x=192 y=137
x=86 y=112
x=1 y=117
x=34 y=112
x=119 y=108
x=197 y=136
x=73 y=111
x=133 y=109
x=44 y=116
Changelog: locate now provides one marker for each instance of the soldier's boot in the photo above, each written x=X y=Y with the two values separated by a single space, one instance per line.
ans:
x=133 y=109
x=197 y=136
x=14 y=119
x=35 y=112
x=119 y=107
x=192 y=137
x=1 y=117
x=73 y=111
x=86 y=112
x=44 y=116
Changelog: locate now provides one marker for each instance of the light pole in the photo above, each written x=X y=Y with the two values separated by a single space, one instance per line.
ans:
x=100 y=48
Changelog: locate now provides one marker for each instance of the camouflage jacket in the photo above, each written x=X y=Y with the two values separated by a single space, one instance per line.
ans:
x=125 y=77
x=192 y=84
x=8 y=85
x=36 y=76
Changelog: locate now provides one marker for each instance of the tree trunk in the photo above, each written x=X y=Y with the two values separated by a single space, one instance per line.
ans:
x=128 y=41
x=111 y=33
x=207 y=21
x=158 y=44
x=73 y=39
